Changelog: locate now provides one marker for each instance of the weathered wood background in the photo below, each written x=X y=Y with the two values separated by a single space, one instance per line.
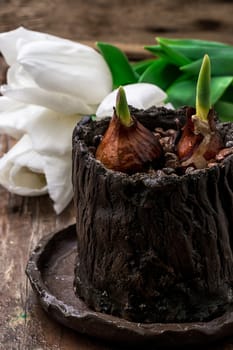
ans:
x=23 y=221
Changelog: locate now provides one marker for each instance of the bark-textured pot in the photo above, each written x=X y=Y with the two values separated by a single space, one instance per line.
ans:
x=151 y=248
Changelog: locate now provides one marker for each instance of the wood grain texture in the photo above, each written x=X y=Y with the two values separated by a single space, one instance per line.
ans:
x=23 y=221
x=23 y=323
x=122 y=21
x=151 y=249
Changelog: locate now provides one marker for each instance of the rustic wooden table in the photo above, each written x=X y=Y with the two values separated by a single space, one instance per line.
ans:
x=23 y=221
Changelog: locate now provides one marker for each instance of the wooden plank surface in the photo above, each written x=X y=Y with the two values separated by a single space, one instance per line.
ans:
x=23 y=221
x=122 y=21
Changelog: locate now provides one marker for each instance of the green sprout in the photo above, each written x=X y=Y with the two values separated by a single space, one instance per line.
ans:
x=122 y=109
x=203 y=90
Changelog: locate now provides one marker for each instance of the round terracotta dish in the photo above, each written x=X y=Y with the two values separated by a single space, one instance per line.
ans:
x=50 y=270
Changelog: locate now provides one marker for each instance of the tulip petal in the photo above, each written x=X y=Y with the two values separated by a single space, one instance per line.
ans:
x=21 y=87
x=169 y=105
x=140 y=95
x=18 y=77
x=15 y=117
x=58 y=175
x=12 y=41
x=10 y=124
x=67 y=68
x=27 y=173
x=51 y=133
x=60 y=103
x=21 y=170
x=8 y=43
x=56 y=73
x=51 y=82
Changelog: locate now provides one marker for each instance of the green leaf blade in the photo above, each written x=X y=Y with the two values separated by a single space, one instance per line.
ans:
x=182 y=92
x=191 y=42
x=221 y=65
x=160 y=73
x=219 y=86
x=171 y=55
x=141 y=66
x=119 y=65
x=224 y=111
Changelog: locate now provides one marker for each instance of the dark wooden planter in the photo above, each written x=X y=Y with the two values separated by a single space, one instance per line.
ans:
x=152 y=248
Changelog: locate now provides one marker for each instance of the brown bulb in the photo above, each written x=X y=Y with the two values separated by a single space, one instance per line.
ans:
x=200 y=140
x=128 y=149
x=189 y=141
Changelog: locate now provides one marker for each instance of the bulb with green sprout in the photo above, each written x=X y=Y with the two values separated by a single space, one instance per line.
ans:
x=200 y=140
x=128 y=146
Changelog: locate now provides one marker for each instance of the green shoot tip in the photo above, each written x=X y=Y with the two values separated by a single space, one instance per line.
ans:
x=203 y=89
x=122 y=109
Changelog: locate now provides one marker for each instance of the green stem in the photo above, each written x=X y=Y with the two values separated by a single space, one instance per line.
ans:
x=203 y=89
x=122 y=109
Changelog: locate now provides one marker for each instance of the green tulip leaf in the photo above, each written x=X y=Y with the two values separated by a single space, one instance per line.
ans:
x=176 y=70
x=197 y=52
x=228 y=94
x=224 y=110
x=191 y=42
x=160 y=73
x=119 y=65
x=156 y=50
x=171 y=55
x=219 y=86
x=182 y=92
x=220 y=65
x=174 y=56
x=141 y=66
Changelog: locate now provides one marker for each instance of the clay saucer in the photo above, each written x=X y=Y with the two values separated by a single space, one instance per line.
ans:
x=50 y=270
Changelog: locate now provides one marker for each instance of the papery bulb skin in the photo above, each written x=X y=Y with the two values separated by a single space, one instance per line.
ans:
x=128 y=146
x=216 y=142
x=188 y=141
x=129 y=149
x=200 y=141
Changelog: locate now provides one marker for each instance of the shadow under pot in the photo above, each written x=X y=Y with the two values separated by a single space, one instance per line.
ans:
x=152 y=247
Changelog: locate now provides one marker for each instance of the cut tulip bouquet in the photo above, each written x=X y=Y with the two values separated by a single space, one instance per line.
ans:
x=52 y=83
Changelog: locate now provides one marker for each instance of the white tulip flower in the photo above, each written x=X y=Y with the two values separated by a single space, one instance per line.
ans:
x=26 y=172
x=51 y=83
x=56 y=73
x=139 y=95
x=22 y=169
